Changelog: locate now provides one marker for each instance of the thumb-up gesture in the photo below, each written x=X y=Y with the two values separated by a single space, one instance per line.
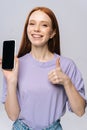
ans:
x=57 y=76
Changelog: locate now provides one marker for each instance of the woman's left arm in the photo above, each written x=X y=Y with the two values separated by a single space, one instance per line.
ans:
x=76 y=101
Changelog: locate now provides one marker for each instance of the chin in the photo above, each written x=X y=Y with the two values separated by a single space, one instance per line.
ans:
x=38 y=45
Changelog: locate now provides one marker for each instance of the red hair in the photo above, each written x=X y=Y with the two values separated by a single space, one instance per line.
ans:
x=53 y=44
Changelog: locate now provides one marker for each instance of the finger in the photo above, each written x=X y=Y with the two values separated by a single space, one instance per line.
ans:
x=16 y=59
x=58 y=66
x=54 y=80
x=51 y=72
x=0 y=62
x=52 y=75
x=16 y=62
x=51 y=79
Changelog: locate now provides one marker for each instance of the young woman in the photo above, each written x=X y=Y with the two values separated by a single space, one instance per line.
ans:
x=36 y=91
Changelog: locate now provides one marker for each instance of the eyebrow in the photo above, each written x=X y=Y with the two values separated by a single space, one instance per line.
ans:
x=40 y=21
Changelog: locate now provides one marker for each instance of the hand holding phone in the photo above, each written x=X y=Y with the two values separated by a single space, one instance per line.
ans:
x=8 y=55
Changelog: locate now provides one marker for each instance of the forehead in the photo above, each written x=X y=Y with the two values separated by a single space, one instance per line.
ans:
x=40 y=16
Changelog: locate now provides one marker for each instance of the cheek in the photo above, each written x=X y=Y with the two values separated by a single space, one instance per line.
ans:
x=48 y=35
x=49 y=31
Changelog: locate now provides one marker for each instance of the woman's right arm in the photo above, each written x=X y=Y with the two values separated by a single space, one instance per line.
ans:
x=11 y=103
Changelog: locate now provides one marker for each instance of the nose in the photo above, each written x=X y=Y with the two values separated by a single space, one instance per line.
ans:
x=37 y=28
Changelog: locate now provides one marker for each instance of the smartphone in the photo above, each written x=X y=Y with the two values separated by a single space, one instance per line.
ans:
x=8 y=54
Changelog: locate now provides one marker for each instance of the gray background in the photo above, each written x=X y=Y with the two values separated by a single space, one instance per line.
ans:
x=72 y=17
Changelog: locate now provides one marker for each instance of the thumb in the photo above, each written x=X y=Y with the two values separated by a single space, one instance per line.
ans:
x=16 y=62
x=58 y=63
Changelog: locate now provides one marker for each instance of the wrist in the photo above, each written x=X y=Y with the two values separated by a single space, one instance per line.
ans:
x=12 y=84
x=67 y=82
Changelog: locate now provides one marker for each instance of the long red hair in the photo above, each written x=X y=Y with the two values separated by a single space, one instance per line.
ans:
x=53 y=44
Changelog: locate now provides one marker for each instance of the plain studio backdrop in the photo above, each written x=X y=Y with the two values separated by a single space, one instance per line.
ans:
x=72 y=17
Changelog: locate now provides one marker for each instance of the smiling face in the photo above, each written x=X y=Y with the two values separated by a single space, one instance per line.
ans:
x=39 y=29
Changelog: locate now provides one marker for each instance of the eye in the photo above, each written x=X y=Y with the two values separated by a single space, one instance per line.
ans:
x=31 y=23
x=44 y=25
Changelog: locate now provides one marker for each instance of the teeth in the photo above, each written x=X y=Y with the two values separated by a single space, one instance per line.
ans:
x=36 y=35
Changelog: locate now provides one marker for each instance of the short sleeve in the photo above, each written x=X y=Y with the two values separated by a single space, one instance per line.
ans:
x=77 y=80
x=4 y=91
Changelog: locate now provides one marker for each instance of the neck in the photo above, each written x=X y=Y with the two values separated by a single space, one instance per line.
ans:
x=41 y=54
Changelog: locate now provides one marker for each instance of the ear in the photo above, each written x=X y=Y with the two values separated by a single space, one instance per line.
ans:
x=53 y=34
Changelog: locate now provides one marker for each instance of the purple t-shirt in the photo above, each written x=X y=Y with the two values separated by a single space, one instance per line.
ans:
x=40 y=101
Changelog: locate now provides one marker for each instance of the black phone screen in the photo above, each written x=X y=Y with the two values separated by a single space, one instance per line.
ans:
x=8 y=54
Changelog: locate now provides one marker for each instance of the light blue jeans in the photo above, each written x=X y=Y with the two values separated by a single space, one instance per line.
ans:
x=19 y=125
